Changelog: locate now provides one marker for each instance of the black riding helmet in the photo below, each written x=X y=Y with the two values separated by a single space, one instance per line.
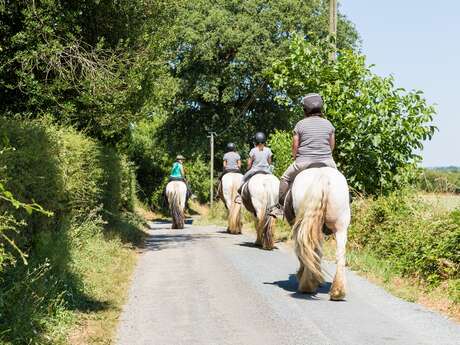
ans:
x=260 y=138
x=231 y=147
x=312 y=103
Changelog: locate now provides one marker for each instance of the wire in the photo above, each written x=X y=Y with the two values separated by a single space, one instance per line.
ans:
x=244 y=109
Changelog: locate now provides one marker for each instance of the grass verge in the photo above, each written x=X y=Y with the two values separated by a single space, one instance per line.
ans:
x=105 y=266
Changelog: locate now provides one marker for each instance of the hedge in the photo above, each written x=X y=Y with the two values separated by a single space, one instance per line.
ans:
x=85 y=185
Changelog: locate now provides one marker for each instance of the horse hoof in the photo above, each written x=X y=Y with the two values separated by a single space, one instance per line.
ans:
x=337 y=295
x=309 y=291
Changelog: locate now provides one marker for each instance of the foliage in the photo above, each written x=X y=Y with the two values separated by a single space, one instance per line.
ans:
x=280 y=143
x=219 y=53
x=378 y=127
x=197 y=172
x=85 y=63
x=149 y=152
x=10 y=224
x=405 y=231
x=85 y=185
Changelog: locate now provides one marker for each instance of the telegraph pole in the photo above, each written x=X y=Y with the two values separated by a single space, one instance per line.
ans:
x=333 y=26
x=211 y=137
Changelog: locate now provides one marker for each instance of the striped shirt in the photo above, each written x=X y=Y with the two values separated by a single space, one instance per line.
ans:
x=314 y=133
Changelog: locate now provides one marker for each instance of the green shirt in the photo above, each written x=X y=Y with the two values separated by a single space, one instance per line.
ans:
x=176 y=170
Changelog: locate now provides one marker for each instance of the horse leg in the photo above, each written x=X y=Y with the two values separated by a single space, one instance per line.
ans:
x=307 y=282
x=338 y=289
x=259 y=229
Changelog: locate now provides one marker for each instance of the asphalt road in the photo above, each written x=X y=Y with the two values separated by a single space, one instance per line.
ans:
x=203 y=286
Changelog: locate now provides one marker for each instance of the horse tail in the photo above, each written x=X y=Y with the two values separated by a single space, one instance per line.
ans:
x=234 y=213
x=307 y=230
x=266 y=223
x=177 y=209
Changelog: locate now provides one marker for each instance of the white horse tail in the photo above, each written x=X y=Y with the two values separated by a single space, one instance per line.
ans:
x=307 y=232
x=266 y=223
x=176 y=198
x=234 y=213
x=177 y=212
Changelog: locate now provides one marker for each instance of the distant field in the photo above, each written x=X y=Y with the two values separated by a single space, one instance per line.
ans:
x=440 y=180
x=443 y=201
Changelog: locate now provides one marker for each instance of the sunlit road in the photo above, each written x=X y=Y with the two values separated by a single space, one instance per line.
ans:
x=203 y=286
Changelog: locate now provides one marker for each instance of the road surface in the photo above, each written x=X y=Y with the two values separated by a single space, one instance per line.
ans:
x=201 y=285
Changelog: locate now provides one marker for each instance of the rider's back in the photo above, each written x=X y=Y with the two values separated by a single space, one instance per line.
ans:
x=260 y=157
x=314 y=133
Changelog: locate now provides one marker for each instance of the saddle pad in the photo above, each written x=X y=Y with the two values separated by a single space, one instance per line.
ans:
x=246 y=198
x=289 y=209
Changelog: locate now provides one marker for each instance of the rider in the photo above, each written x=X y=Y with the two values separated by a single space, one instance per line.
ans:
x=312 y=143
x=231 y=160
x=178 y=173
x=231 y=164
x=260 y=159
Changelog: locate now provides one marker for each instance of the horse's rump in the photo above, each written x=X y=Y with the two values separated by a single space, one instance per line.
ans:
x=229 y=185
x=320 y=196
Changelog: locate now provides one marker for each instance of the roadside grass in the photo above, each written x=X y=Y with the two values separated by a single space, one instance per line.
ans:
x=411 y=289
x=440 y=291
x=105 y=263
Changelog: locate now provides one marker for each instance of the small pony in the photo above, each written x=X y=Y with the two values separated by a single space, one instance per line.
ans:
x=176 y=193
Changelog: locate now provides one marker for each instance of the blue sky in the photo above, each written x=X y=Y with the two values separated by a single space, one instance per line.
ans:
x=419 y=43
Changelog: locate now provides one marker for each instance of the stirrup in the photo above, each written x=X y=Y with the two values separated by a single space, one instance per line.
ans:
x=276 y=211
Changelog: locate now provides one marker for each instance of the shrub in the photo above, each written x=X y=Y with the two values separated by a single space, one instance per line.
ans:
x=85 y=185
x=403 y=229
x=280 y=143
x=199 y=179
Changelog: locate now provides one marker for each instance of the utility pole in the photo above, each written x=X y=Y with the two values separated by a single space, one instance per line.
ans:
x=333 y=26
x=211 y=136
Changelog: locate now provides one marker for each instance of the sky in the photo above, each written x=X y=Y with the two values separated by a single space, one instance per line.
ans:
x=418 y=42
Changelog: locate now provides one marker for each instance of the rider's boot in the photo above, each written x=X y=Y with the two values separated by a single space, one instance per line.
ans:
x=276 y=211
x=238 y=199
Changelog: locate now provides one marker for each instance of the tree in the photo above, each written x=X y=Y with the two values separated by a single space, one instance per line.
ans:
x=379 y=127
x=89 y=64
x=219 y=55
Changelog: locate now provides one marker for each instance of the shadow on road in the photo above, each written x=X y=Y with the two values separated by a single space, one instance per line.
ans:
x=252 y=245
x=291 y=286
x=156 y=224
x=165 y=241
